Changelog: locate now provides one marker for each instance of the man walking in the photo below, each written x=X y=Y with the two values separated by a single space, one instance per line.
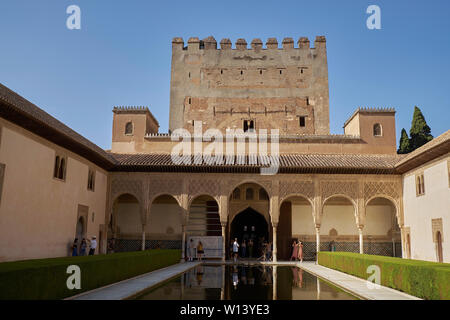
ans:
x=93 y=246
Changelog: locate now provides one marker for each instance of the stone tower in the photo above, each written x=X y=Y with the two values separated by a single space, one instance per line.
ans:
x=250 y=88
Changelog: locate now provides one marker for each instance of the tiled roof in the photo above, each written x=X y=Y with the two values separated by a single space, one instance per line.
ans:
x=22 y=112
x=433 y=149
x=295 y=163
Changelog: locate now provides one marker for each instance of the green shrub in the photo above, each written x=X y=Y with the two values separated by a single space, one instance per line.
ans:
x=46 y=278
x=423 y=279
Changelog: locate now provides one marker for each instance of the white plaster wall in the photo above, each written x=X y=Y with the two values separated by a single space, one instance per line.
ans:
x=339 y=217
x=38 y=214
x=419 y=211
x=302 y=220
x=162 y=216
x=379 y=220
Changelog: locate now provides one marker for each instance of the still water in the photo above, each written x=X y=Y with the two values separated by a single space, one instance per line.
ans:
x=241 y=282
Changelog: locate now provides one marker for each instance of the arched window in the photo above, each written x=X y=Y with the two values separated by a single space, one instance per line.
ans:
x=249 y=194
x=237 y=194
x=263 y=194
x=129 y=128
x=377 y=130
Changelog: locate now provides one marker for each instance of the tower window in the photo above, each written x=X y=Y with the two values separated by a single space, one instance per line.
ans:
x=281 y=71
x=420 y=185
x=242 y=72
x=190 y=100
x=302 y=121
x=129 y=128
x=260 y=71
x=307 y=101
x=249 y=125
x=377 y=130
x=221 y=71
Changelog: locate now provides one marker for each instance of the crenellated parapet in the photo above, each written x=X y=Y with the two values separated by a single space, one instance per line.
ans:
x=210 y=43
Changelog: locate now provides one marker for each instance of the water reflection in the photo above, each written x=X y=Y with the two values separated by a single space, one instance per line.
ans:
x=257 y=282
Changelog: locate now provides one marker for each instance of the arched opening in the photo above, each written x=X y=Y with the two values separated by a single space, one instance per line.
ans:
x=440 y=256
x=296 y=222
x=338 y=231
x=204 y=226
x=253 y=203
x=164 y=225
x=381 y=231
x=129 y=128
x=126 y=224
x=377 y=130
x=250 y=225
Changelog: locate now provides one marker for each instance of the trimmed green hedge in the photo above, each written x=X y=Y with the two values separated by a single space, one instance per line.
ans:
x=423 y=279
x=46 y=278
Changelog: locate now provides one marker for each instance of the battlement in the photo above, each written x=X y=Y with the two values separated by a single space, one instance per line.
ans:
x=210 y=43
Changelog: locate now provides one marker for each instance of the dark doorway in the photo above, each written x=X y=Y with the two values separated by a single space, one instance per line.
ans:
x=284 y=232
x=250 y=225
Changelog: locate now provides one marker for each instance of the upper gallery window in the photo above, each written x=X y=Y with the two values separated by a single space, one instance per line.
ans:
x=420 y=185
x=129 y=128
x=249 y=125
x=377 y=130
x=237 y=194
x=91 y=180
x=249 y=195
x=59 y=171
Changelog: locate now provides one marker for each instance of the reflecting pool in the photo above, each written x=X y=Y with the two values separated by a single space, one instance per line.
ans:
x=246 y=282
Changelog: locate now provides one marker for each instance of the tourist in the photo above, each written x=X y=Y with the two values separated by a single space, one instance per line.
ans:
x=243 y=249
x=235 y=250
x=300 y=251
x=191 y=250
x=75 y=248
x=93 y=246
x=250 y=248
x=200 y=251
x=294 y=251
x=83 y=247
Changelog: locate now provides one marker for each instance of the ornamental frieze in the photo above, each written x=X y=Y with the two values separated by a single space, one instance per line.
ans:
x=331 y=188
x=305 y=188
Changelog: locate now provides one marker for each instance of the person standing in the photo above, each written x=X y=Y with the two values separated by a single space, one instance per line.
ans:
x=83 y=247
x=235 y=250
x=93 y=246
x=191 y=250
x=243 y=249
x=75 y=248
x=294 y=251
x=250 y=248
x=269 y=251
x=200 y=251
x=300 y=251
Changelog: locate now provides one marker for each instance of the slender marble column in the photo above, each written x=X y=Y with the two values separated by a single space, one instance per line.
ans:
x=274 y=239
x=361 y=244
x=143 y=237
x=224 y=225
x=317 y=242
x=183 y=243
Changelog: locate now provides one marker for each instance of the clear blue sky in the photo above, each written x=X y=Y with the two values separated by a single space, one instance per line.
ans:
x=121 y=56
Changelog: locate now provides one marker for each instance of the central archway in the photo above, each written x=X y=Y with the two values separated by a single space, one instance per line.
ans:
x=250 y=224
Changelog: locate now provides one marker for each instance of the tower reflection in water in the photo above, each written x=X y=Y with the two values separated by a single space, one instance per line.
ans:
x=246 y=282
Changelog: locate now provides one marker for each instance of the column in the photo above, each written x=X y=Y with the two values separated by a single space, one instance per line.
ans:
x=317 y=241
x=183 y=243
x=318 y=289
x=361 y=244
x=274 y=283
x=143 y=237
x=224 y=245
x=274 y=239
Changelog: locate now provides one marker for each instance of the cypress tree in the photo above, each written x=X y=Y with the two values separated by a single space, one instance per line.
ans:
x=420 y=132
x=404 y=146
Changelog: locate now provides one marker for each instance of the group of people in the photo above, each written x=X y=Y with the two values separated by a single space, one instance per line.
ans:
x=297 y=251
x=192 y=248
x=79 y=249
x=265 y=248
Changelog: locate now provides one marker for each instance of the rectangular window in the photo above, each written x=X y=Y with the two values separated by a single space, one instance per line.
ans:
x=302 y=122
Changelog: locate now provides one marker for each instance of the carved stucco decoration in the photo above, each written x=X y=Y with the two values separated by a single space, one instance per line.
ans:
x=204 y=187
x=288 y=188
x=234 y=183
x=390 y=189
x=331 y=188
x=160 y=186
x=124 y=186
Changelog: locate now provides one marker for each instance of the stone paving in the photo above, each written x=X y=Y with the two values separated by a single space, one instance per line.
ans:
x=133 y=287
